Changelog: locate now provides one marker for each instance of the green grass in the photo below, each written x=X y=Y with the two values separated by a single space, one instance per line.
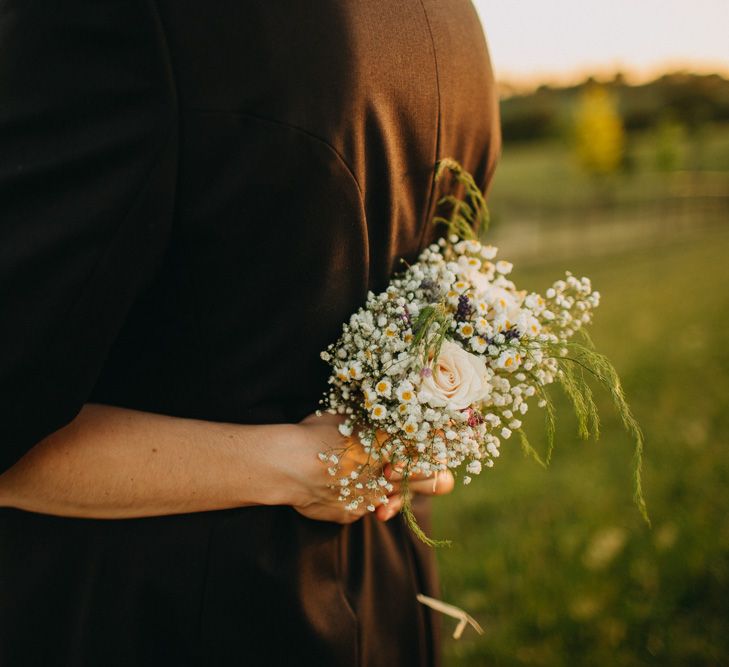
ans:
x=558 y=565
x=544 y=180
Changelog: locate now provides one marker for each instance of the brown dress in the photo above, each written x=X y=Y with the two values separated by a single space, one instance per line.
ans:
x=193 y=197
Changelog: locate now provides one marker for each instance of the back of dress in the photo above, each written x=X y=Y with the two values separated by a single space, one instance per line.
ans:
x=194 y=198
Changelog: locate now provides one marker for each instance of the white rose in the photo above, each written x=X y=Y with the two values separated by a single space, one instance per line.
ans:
x=457 y=380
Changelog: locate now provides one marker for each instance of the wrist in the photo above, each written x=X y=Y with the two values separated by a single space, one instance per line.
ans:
x=272 y=474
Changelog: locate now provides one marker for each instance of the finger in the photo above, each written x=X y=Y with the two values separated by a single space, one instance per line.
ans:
x=351 y=517
x=394 y=474
x=395 y=489
x=386 y=512
x=329 y=512
x=442 y=483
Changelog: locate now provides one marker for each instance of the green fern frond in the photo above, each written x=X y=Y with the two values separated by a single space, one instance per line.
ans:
x=431 y=342
x=527 y=448
x=407 y=512
x=600 y=367
x=579 y=392
x=550 y=419
x=466 y=214
x=583 y=333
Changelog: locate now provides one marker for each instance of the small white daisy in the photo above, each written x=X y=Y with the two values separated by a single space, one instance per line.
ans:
x=406 y=392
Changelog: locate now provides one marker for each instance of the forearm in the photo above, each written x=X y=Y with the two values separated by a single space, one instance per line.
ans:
x=113 y=462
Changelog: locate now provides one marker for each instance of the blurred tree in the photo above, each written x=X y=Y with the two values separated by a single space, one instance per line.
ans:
x=619 y=79
x=531 y=124
x=669 y=144
x=693 y=100
x=599 y=133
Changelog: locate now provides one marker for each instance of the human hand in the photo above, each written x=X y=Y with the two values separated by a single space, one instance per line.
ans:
x=434 y=484
x=317 y=500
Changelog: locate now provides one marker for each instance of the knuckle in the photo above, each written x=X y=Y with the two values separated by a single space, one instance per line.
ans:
x=446 y=485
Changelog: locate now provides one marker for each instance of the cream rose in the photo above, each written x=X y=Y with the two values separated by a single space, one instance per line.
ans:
x=457 y=379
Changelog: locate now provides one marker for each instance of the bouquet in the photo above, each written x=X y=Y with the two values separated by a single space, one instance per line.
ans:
x=438 y=370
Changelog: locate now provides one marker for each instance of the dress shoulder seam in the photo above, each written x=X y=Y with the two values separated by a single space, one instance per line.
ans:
x=291 y=126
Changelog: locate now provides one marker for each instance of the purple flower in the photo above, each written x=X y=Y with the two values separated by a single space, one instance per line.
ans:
x=406 y=317
x=464 y=308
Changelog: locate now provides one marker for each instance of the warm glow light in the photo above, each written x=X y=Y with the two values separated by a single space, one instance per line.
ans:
x=534 y=41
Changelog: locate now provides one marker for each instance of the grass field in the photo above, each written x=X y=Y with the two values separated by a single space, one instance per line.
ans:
x=546 y=177
x=557 y=565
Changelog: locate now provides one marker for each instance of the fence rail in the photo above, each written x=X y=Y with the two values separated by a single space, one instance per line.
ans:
x=539 y=233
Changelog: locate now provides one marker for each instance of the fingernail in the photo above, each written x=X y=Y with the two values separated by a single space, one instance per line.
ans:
x=394 y=474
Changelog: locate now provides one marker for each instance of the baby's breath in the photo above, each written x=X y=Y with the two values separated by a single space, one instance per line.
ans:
x=406 y=403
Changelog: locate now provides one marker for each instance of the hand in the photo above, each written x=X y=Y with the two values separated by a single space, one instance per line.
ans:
x=316 y=500
x=436 y=484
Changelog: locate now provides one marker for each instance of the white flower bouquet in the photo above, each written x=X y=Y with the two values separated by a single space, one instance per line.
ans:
x=440 y=368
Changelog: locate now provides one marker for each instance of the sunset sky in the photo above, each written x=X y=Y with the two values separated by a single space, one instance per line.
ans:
x=536 y=41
